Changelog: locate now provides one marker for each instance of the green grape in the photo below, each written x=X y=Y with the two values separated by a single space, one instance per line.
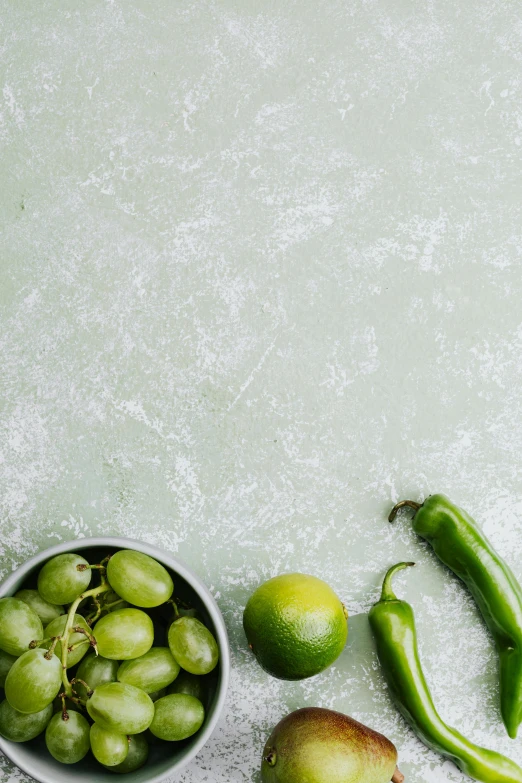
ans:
x=119 y=707
x=191 y=684
x=139 y=579
x=69 y=705
x=33 y=681
x=150 y=672
x=124 y=634
x=177 y=717
x=19 y=625
x=68 y=740
x=193 y=646
x=6 y=661
x=108 y=747
x=136 y=757
x=60 y=582
x=57 y=627
x=46 y=612
x=21 y=727
x=95 y=670
x=155 y=695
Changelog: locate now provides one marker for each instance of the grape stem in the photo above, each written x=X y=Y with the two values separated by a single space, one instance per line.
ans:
x=38 y=642
x=100 y=609
x=65 y=714
x=85 y=685
x=75 y=646
x=93 y=592
x=90 y=637
x=50 y=652
x=105 y=607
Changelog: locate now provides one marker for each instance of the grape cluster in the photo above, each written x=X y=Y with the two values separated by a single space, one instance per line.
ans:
x=79 y=661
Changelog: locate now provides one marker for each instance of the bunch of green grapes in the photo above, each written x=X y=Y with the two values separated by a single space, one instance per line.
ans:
x=79 y=661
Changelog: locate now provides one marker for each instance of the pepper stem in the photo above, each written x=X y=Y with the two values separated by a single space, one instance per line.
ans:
x=387 y=593
x=398 y=777
x=403 y=504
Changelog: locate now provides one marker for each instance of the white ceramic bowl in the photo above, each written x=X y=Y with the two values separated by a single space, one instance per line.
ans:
x=167 y=758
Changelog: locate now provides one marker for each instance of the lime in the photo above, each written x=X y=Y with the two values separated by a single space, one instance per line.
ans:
x=295 y=625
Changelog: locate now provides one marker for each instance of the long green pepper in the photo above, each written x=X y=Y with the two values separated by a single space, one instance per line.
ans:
x=462 y=546
x=393 y=625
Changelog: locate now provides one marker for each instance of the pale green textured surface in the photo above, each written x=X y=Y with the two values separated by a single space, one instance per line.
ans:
x=260 y=276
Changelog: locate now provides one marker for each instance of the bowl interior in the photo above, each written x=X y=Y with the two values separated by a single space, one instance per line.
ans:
x=164 y=757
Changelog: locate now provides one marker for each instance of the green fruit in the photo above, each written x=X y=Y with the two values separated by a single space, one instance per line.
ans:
x=191 y=684
x=19 y=626
x=322 y=746
x=116 y=706
x=124 y=634
x=177 y=717
x=136 y=757
x=33 y=681
x=46 y=612
x=60 y=581
x=108 y=747
x=193 y=646
x=57 y=627
x=295 y=625
x=68 y=740
x=139 y=579
x=6 y=661
x=21 y=727
x=150 y=672
x=57 y=705
x=95 y=670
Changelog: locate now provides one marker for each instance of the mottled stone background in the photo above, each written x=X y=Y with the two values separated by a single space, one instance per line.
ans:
x=260 y=277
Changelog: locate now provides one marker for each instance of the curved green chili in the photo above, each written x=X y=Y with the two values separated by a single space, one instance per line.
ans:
x=393 y=626
x=462 y=546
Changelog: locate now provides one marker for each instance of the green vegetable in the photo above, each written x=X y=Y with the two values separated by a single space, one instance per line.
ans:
x=462 y=546
x=393 y=626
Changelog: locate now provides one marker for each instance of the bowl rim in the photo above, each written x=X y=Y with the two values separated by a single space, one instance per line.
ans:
x=177 y=565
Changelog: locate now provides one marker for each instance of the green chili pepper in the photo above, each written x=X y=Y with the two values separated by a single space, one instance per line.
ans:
x=393 y=626
x=461 y=545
